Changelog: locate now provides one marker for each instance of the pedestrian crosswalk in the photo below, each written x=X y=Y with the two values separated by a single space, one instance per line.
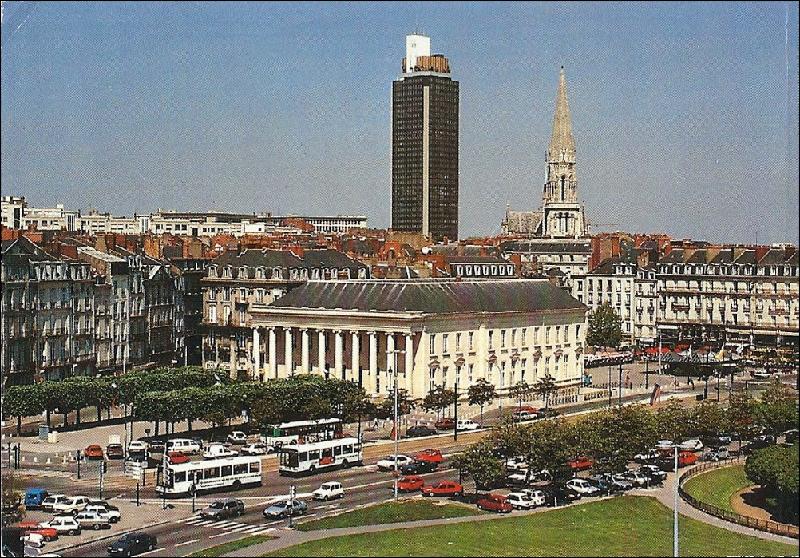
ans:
x=226 y=527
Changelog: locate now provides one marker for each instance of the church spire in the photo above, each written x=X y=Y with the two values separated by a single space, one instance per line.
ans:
x=562 y=143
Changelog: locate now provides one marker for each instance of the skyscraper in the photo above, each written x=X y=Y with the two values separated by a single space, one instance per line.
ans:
x=425 y=144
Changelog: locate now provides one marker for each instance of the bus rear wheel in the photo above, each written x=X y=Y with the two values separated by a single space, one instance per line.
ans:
x=312 y=470
x=237 y=485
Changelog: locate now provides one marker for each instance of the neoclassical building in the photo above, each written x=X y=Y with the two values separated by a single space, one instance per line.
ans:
x=432 y=332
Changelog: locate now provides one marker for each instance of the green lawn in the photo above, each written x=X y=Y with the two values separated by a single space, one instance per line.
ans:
x=390 y=512
x=224 y=548
x=623 y=526
x=718 y=485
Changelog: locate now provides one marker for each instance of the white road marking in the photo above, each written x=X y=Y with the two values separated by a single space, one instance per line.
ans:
x=275 y=522
x=254 y=528
x=151 y=551
x=187 y=542
x=240 y=528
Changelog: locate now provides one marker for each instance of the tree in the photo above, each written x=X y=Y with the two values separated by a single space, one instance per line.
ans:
x=708 y=419
x=672 y=421
x=479 y=464
x=776 y=469
x=439 y=399
x=741 y=414
x=605 y=327
x=22 y=401
x=544 y=388
x=777 y=411
x=11 y=508
x=549 y=445
x=481 y=393
x=519 y=391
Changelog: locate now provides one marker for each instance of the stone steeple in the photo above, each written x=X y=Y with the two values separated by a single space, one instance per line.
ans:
x=562 y=143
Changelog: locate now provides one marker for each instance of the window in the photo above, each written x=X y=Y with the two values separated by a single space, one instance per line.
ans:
x=212 y=294
x=444 y=344
x=547 y=335
x=491 y=341
x=524 y=336
x=469 y=376
x=577 y=331
x=458 y=342
x=502 y=338
x=226 y=294
x=242 y=294
x=212 y=314
x=470 y=340
x=432 y=348
x=240 y=469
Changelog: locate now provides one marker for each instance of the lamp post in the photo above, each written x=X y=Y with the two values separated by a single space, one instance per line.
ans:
x=394 y=354
x=609 y=386
x=619 y=386
x=675 y=508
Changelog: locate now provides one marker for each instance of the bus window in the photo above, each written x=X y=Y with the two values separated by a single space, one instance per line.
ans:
x=180 y=477
x=337 y=451
x=212 y=473
x=327 y=452
x=227 y=470
x=256 y=467
x=302 y=456
x=313 y=455
x=347 y=448
x=198 y=475
x=240 y=468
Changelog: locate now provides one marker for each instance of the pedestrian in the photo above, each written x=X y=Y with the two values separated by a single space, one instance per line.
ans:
x=375 y=423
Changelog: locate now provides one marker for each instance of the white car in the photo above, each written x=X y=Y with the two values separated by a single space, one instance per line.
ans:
x=183 y=445
x=138 y=446
x=665 y=444
x=519 y=476
x=520 y=500
x=255 y=449
x=467 y=425
x=637 y=478
x=646 y=456
x=517 y=463
x=237 y=437
x=63 y=524
x=52 y=500
x=692 y=445
x=582 y=487
x=93 y=520
x=113 y=513
x=537 y=496
x=34 y=540
x=216 y=451
x=388 y=463
x=72 y=505
x=328 y=491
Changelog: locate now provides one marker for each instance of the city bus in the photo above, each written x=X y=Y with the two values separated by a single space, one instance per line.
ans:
x=311 y=458
x=213 y=474
x=302 y=431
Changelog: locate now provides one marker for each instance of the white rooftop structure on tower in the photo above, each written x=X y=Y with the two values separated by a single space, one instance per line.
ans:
x=416 y=45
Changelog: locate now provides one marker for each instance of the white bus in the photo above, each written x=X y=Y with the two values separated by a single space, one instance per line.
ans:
x=233 y=472
x=302 y=431
x=319 y=456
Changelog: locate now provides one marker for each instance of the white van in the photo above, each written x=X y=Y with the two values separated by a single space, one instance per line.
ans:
x=183 y=445
x=467 y=425
x=216 y=451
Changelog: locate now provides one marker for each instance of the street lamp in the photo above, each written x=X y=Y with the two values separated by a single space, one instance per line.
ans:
x=394 y=354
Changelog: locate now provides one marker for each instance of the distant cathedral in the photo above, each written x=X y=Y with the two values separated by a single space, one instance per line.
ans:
x=560 y=216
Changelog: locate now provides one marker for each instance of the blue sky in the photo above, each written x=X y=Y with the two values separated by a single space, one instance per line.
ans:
x=685 y=115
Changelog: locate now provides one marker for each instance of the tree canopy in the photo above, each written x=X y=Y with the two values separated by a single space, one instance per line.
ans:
x=605 y=327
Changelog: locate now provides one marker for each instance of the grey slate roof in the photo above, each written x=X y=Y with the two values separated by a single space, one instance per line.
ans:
x=431 y=296
x=329 y=258
x=547 y=247
x=475 y=260
x=775 y=256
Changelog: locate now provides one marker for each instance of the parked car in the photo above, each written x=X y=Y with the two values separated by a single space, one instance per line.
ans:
x=223 y=509
x=112 y=511
x=691 y=445
x=583 y=487
x=183 y=445
x=547 y=413
x=657 y=476
x=93 y=452
x=34 y=540
x=328 y=491
x=52 y=500
x=237 y=437
x=138 y=446
x=520 y=477
x=521 y=416
x=647 y=456
x=176 y=458
x=93 y=520
x=258 y=448
x=157 y=446
x=443 y=488
x=495 y=503
x=620 y=483
x=63 y=524
x=282 y=509
x=516 y=464
x=71 y=505
x=47 y=533
x=520 y=500
x=791 y=435
x=637 y=478
x=216 y=451
x=34 y=498
x=685 y=458
x=603 y=484
x=537 y=496
x=417 y=467
x=580 y=464
x=115 y=451
x=420 y=430
x=761 y=441
x=431 y=455
x=131 y=544
x=410 y=483
x=722 y=439
x=388 y=463
x=560 y=494
x=717 y=454
x=468 y=424
x=445 y=424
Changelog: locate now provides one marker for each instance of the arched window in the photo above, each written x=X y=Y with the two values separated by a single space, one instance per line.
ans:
x=563 y=178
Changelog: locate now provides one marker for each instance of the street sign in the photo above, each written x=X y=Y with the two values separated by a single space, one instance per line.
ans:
x=135 y=470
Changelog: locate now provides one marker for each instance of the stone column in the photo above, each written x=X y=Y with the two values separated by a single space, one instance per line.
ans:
x=287 y=347
x=389 y=356
x=409 y=379
x=337 y=354
x=233 y=359
x=373 y=355
x=321 y=350
x=273 y=354
x=305 y=359
x=256 y=352
x=355 y=358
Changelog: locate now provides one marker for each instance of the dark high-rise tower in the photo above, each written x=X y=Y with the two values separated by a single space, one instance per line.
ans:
x=425 y=144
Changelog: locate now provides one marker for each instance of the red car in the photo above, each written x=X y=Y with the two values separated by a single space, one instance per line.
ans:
x=93 y=452
x=445 y=424
x=431 y=455
x=495 y=503
x=443 y=488
x=176 y=458
x=580 y=464
x=410 y=484
x=48 y=533
x=686 y=458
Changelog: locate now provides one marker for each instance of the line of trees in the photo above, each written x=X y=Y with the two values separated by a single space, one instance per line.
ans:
x=612 y=437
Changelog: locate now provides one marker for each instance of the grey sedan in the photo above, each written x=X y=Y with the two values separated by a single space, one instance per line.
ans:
x=279 y=510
